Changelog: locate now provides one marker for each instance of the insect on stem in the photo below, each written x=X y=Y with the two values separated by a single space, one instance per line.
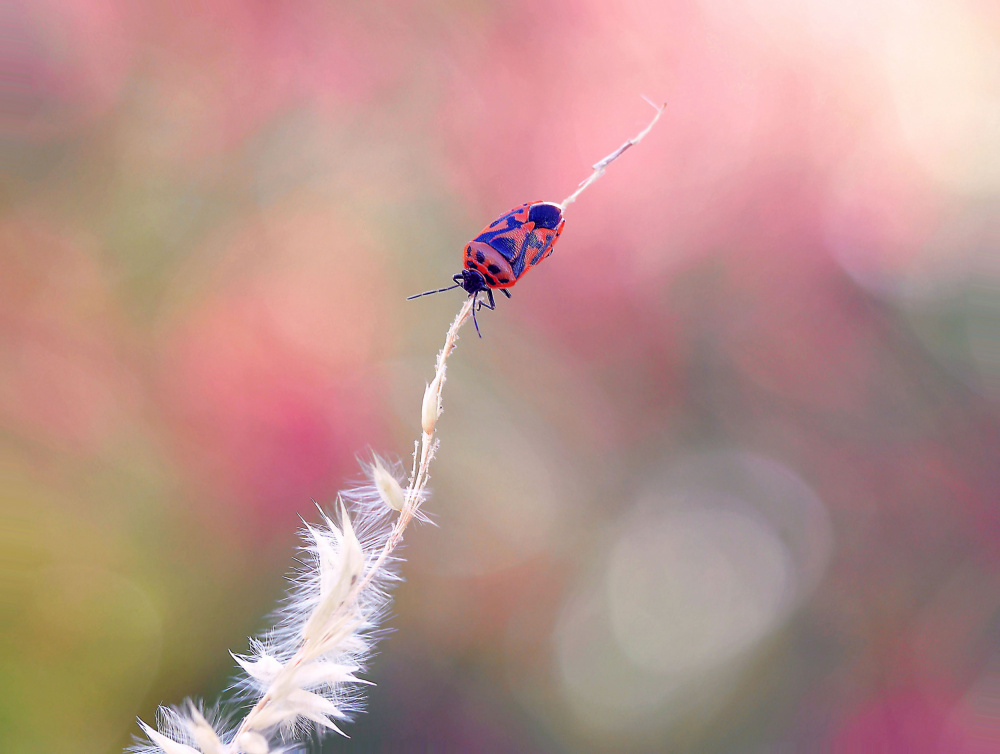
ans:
x=521 y=239
x=302 y=672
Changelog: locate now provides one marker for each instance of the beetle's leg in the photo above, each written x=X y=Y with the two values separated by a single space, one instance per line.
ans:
x=505 y=292
x=492 y=304
x=475 y=296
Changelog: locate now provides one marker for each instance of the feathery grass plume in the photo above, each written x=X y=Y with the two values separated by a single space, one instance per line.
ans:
x=301 y=675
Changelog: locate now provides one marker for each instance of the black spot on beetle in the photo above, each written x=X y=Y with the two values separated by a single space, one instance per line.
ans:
x=494 y=269
x=504 y=280
x=480 y=257
x=490 y=280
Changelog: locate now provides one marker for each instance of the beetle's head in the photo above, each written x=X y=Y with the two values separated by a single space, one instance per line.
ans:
x=471 y=281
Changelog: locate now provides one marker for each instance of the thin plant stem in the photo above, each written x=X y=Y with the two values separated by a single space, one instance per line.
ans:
x=425 y=447
x=601 y=165
x=423 y=455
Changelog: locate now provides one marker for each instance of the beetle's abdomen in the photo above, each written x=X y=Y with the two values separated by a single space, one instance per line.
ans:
x=489 y=263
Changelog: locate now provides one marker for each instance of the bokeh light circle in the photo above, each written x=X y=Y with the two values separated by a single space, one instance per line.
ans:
x=709 y=563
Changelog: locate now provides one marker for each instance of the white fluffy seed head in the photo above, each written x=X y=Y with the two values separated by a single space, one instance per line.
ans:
x=388 y=486
x=252 y=742
x=375 y=501
x=202 y=732
x=302 y=673
x=264 y=669
x=181 y=730
x=341 y=564
x=430 y=410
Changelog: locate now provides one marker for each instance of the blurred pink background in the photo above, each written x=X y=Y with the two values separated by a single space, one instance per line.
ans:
x=724 y=475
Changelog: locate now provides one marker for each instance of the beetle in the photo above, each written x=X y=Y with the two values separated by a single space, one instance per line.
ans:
x=515 y=242
x=505 y=250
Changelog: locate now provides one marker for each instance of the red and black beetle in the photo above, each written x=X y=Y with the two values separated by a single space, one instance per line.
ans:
x=505 y=250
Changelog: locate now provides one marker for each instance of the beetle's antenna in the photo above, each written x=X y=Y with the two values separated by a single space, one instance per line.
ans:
x=428 y=293
x=601 y=166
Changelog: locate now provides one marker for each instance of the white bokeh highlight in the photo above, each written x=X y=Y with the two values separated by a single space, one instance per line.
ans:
x=708 y=564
